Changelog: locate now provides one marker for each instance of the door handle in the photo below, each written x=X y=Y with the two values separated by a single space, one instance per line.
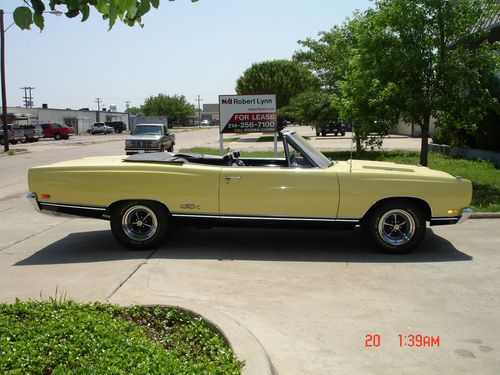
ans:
x=229 y=178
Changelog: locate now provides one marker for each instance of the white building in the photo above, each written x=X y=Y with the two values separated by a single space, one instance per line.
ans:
x=80 y=119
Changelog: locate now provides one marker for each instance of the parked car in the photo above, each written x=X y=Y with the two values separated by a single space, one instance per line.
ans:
x=118 y=126
x=101 y=128
x=57 y=131
x=334 y=128
x=32 y=132
x=205 y=122
x=143 y=195
x=18 y=133
x=10 y=136
x=150 y=138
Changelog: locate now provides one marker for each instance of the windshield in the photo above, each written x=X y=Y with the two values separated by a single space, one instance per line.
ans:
x=147 y=129
x=317 y=157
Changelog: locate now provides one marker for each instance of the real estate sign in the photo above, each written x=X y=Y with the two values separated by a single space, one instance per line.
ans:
x=247 y=113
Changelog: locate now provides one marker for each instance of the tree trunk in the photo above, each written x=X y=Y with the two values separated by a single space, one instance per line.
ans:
x=359 y=148
x=424 y=146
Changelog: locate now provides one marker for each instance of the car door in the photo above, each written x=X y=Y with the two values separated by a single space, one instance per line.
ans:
x=288 y=192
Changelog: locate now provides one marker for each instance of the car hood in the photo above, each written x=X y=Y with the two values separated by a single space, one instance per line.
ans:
x=394 y=168
x=144 y=137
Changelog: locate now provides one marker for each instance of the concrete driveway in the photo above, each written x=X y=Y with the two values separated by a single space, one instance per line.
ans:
x=310 y=297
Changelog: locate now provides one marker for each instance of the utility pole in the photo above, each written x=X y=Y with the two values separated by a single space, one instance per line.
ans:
x=28 y=98
x=98 y=114
x=199 y=110
x=4 y=92
x=127 y=104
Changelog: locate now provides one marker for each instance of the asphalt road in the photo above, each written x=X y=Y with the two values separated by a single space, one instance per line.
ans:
x=310 y=297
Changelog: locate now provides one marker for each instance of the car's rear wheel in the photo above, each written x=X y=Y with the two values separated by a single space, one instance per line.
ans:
x=396 y=227
x=140 y=225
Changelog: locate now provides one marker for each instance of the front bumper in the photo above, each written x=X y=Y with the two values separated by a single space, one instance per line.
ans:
x=466 y=214
x=142 y=150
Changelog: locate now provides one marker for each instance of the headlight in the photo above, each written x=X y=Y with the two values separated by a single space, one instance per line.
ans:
x=155 y=144
x=128 y=144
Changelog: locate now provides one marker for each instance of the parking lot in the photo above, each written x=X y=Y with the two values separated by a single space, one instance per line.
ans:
x=310 y=297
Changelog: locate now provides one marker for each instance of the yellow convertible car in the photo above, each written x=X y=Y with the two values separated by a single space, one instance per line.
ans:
x=145 y=195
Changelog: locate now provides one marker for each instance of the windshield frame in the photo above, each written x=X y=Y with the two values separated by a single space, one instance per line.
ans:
x=315 y=157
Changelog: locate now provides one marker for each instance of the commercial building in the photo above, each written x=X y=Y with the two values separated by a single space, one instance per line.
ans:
x=81 y=119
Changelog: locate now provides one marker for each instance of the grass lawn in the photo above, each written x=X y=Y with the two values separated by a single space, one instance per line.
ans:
x=483 y=174
x=231 y=139
x=65 y=337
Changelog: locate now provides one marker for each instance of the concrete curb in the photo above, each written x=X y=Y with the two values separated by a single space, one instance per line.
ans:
x=244 y=344
x=485 y=215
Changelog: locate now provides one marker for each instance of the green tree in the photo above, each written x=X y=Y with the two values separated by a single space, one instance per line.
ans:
x=135 y=110
x=284 y=78
x=348 y=81
x=130 y=12
x=438 y=51
x=174 y=107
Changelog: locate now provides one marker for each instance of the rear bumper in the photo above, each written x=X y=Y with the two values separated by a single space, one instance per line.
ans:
x=68 y=209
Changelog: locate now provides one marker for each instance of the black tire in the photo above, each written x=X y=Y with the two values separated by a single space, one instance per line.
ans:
x=13 y=142
x=397 y=227
x=137 y=236
x=342 y=134
x=317 y=134
x=335 y=134
x=57 y=136
x=323 y=134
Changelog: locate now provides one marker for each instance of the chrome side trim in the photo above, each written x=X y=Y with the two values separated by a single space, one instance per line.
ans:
x=276 y=218
x=444 y=218
x=466 y=214
x=32 y=198
x=72 y=206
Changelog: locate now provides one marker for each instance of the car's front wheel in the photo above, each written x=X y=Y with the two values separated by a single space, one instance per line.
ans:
x=396 y=227
x=140 y=225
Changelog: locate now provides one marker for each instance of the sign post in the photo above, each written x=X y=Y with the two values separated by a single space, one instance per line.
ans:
x=248 y=114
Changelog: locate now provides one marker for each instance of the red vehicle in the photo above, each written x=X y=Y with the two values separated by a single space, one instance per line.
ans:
x=57 y=131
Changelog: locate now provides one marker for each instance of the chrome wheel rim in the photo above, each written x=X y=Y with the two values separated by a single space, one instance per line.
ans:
x=396 y=227
x=139 y=223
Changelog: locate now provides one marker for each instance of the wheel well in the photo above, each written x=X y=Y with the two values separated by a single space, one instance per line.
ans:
x=419 y=202
x=115 y=204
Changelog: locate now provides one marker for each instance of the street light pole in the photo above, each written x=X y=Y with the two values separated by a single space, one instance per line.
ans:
x=4 y=91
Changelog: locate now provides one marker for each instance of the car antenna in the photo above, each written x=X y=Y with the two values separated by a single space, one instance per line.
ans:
x=352 y=139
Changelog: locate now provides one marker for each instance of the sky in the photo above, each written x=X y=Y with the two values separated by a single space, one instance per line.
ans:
x=184 y=48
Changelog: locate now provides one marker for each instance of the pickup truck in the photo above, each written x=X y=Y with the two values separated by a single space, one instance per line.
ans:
x=150 y=138
x=18 y=133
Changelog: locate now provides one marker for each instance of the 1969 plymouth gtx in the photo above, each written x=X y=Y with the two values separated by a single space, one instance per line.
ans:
x=145 y=195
